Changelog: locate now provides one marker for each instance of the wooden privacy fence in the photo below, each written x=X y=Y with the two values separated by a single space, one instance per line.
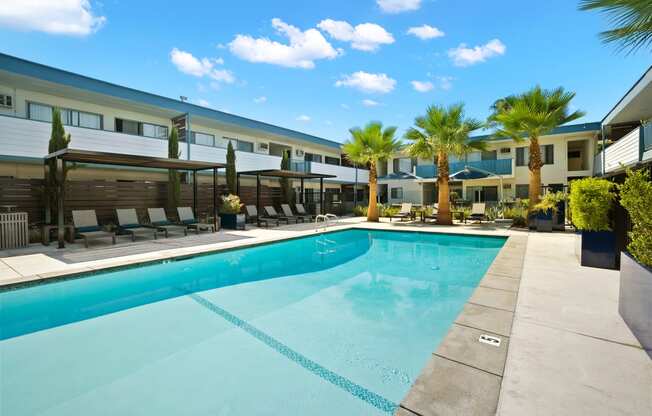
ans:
x=105 y=196
x=14 y=230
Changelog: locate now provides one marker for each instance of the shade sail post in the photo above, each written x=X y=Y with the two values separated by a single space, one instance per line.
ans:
x=61 y=166
x=46 y=192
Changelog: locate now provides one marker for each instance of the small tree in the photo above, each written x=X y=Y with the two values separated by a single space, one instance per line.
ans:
x=174 y=182
x=58 y=140
x=287 y=193
x=636 y=197
x=591 y=200
x=230 y=170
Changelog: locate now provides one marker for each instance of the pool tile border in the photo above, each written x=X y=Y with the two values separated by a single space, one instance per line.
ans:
x=463 y=376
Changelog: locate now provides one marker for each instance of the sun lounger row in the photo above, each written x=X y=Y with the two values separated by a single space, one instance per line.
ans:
x=273 y=217
x=87 y=227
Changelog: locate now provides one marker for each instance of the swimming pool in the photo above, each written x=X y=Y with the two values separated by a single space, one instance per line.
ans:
x=336 y=323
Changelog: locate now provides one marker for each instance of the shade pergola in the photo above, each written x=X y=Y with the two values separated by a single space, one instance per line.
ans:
x=64 y=156
x=289 y=174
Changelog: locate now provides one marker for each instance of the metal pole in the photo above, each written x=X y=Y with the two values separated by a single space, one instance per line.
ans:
x=47 y=190
x=258 y=194
x=61 y=165
x=215 y=199
x=194 y=193
x=237 y=184
x=321 y=195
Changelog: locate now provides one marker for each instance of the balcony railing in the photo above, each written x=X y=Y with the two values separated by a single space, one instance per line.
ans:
x=497 y=166
x=626 y=151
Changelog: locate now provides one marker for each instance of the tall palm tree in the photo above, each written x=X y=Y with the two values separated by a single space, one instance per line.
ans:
x=632 y=21
x=443 y=131
x=367 y=147
x=532 y=114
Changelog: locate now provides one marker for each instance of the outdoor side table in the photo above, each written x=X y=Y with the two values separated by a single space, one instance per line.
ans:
x=45 y=233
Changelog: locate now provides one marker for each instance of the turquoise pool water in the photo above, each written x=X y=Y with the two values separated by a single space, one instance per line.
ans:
x=338 y=323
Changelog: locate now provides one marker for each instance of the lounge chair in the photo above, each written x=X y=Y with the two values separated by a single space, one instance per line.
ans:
x=86 y=226
x=287 y=211
x=271 y=212
x=478 y=212
x=128 y=224
x=252 y=215
x=405 y=212
x=301 y=210
x=187 y=218
x=159 y=220
x=432 y=215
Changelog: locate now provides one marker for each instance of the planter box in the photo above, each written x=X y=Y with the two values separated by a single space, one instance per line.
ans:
x=635 y=300
x=559 y=218
x=544 y=221
x=599 y=249
x=532 y=221
x=232 y=221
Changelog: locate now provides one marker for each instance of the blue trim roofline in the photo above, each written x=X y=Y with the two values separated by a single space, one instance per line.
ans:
x=59 y=76
x=571 y=128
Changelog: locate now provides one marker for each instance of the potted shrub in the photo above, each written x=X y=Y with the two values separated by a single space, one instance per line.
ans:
x=230 y=216
x=635 y=300
x=591 y=201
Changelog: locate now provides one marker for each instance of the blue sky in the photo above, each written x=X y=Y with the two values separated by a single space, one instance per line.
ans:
x=348 y=62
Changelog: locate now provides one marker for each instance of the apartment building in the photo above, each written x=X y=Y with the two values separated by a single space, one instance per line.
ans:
x=105 y=117
x=498 y=173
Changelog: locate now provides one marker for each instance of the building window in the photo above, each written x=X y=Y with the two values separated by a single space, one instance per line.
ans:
x=396 y=193
x=68 y=117
x=505 y=150
x=311 y=157
x=404 y=164
x=332 y=160
x=6 y=101
x=223 y=142
x=520 y=156
x=244 y=146
x=203 y=139
x=488 y=155
x=140 y=129
x=548 y=154
x=522 y=191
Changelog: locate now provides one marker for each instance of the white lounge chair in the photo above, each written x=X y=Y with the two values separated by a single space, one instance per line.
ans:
x=405 y=212
x=301 y=210
x=187 y=218
x=287 y=211
x=86 y=226
x=252 y=215
x=478 y=212
x=128 y=223
x=160 y=221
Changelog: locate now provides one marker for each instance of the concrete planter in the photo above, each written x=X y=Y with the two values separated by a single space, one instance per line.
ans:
x=232 y=221
x=544 y=221
x=559 y=217
x=599 y=249
x=635 y=300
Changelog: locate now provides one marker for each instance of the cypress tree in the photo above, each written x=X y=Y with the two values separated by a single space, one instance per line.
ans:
x=287 y=193
x=58 y=140
x=174 y=183
x=230 y=170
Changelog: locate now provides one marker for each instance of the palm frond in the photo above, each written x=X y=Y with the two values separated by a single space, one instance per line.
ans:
x=631 y=21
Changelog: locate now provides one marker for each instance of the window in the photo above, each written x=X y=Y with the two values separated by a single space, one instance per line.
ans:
x=396 y=193
x=223 y=142
x=488 y=155
x=244 y=146
x=522 y=191
x=520 y=156
x=548 y=154
x=138 y=128
x=69 y=117
x=505 y=150
x=403 y=164
x=332 y=160
x=311 y=157
x=6 y=100
x=203 y=139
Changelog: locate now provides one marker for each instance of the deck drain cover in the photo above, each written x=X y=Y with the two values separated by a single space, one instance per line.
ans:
x=488 y=339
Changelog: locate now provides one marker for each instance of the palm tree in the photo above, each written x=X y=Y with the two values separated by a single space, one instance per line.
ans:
x=632 y=20
x=366 y=147
x=532 y=114
x=443 y=131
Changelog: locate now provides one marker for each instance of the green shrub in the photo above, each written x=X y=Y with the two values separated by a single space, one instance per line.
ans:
x=518 y=215
x=230 y=204
x=387 y=210
x=591 y=199
x=549 y=202
x=360 y=211
x=636 y=198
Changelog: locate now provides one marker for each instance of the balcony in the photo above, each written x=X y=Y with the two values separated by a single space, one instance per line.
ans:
x=497 y=166
x=23 y=138
x=634 y=147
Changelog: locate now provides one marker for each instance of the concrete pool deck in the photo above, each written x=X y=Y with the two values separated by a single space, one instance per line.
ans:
x=567 y=351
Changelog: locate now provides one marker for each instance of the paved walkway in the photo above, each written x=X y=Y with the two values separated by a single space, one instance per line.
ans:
x=570 y=351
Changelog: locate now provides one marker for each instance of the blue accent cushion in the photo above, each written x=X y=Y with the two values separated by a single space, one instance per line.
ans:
x=130 y=226
x=88 y=229
x=161 y=223
x=188 y=222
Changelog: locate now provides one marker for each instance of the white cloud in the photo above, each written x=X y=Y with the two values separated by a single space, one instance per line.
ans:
x=445 y=82
x=425 y=32
x=365 y=37
x=345 y=106
x=464 y=56
x=303 y=118
x=370 y=103
x=398 y=6
x=260 y=100
x=367 y=82
x=422 y=86
x=188 y=64
x=202 y=102
x=304 y=49
x=62 y=17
